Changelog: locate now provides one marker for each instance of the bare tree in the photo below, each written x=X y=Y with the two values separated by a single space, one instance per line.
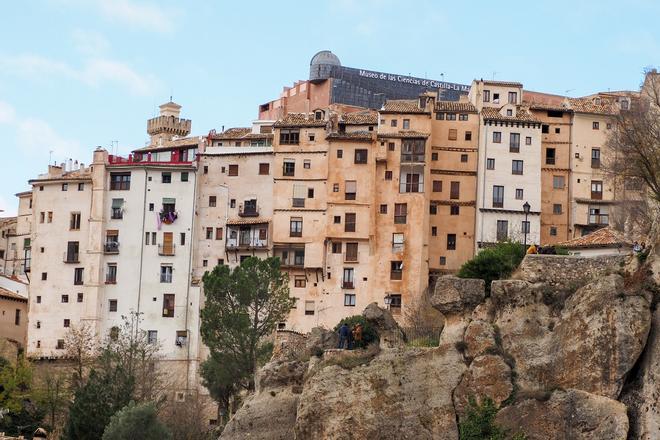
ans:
x=186 y=420
x=81 y=349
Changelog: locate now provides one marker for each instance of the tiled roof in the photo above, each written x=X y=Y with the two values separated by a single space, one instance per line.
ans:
x=502 y=83
x=546 y=106
x=603 y=237
x=404 y=134
x=402 y=106
x=589 y=105
x=300 y=120
x=353 y=135
x=522 y=115
x=367 y=117
x=81 y=174
x=7 y=221
x=4 y=293
x=455 y=106
x=183 y=142
x=239 y=133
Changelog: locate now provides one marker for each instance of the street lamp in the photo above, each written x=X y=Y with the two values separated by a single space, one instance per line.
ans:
x=526 y=224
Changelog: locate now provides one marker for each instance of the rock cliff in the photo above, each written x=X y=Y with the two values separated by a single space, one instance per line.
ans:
x=568 y=349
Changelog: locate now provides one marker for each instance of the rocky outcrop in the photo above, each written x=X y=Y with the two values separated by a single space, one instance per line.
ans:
x=388 y=329
x=479 y=336
x=569 y=415
x=320 y=339
x=270 y=412
x=488 y=376
x=457 y=295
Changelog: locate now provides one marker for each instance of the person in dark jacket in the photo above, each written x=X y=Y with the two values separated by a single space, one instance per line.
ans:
x=344 y=332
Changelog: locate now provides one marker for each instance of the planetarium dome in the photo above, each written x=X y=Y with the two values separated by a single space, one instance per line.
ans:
x=325 y=57
x=322 y=64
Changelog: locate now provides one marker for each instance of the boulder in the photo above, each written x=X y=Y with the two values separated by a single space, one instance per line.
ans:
x=389 y=332
x=454 y=295
x=487 y=376
x=278 y=387
x=479 y=336
x=320 y=339
x=570 y=415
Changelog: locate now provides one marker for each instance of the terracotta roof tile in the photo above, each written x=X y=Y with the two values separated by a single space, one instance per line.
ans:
x=455 y=106
x=183 y=142
x=239 y=133
x=522 y=115
x=601 y=238
x=502 y=83
x=402 y=106
x=300 y=120
x=367 y=117
x=352 y=135
x=5 y=293
x=591 y=105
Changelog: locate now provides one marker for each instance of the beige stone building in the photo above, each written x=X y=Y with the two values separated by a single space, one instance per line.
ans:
x=13 y=311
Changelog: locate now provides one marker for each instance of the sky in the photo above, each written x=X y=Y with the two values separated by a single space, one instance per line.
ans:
x=76 y=74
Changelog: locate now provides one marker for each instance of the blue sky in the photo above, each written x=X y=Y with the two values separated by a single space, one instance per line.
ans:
x=75 y=74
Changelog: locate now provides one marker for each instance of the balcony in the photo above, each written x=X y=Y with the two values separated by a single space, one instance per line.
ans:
x=166 y=250
x=176 y=158
x=168 y=217
x=549 y=160
x=117 y=214
x=596 y=195
x=599 y=219
x=412 y=158
x=111 y=247
x=595 y=163
x=347 y=285
x=350 y=258
x=250 y=210
x=71 y=257
x=298 y=203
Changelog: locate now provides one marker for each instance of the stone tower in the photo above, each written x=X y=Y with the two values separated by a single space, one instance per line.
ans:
x=168 y=124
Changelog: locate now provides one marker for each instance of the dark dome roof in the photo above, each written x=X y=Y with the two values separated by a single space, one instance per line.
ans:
x=325 y=57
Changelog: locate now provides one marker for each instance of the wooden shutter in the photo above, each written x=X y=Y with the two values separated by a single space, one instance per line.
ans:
x=168 y=243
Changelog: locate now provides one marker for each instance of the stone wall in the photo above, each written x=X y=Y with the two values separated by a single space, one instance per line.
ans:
x=566 y=271
x=287 y=345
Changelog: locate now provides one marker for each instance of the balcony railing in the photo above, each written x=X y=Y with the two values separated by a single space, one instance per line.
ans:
x=71 y=257
x=347 y=285
x=596 y=195
x=166 y=250
x=175 y=159
x=549 y=160
x=599 y=219
x=298 y=203
x=244 y=245
x=412 y=157
x=250 y=211
x=111 y=247
x=350 y=258
x=595 y=163
x=117 y=214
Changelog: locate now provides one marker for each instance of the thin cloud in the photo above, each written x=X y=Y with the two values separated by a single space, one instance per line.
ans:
x=90 y=42
x=144 y=15
x=95 y=72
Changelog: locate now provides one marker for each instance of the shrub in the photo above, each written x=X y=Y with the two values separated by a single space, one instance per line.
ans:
x=494 y=263
x=560 y=250
x=369 y=333
x=479 y=422
x=136 y=421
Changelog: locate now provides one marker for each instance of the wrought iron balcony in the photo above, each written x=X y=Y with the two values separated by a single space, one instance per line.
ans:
x=111 y=247
x=166 y=250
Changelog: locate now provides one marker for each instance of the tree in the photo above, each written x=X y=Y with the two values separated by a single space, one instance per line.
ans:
x=242 y=306
x=186 y=421
x=19 y=414
x=138 y=421
x=81 y=350
x=494 y=263
x=53 y=395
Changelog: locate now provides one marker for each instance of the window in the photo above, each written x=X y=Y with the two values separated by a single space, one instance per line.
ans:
x=361 y=155
x=498 y=196
x=545 y=128
x=80 y=297
x=184 y=176
x=514 y=142
x=60 y=344
x=168 y=305
x=152 y=337
x=351 y=252
x=120 y=181
x=550 y=156
x=218 y=233
x=451 y=242
x=558 y=182
x=490 y=163
x=433 y=209
x=206 y=169
x=502 y=230
x=513 y=98
x=64 y=298
x=528 y=140
x=42 y=217
x=486 y=95
x=233 y=170
x=307 y=164
x=557 y=130
x=497 y=137
x=609 y=125
x=597 y=189
x=310 y=193
x=556 y=208
x=454 y=210
x=212 y=201
x=434 y=231
x=496 y=98
x=44 y=276
x=67 y=322
x=289 y=136
x=349 y=299
x=300 y=193
x=468 y=135
x=205 y=263
x=312 y=137
x=440 y=116
x=50 y=216
x=340 y=154
x=335 y=187
x=350 y=188
x=112 y=305
x=516 y=167
x=38 y=299
x=390 y=146
x=383 y=209
x=395 y=303
x=434 y=156
x=209 y=233
x=165 y=273
x=349 y=222
x=299 y=281
x=65 y=187
x=455 y=190
x=78 y=276
x=595 y=125
x=400 y=213
x=451 y=116
x=81 y=186
x=17 y=318
x=464 y=158
x=74 y=224
x=117 y=211
x=295 y=227
x=463 y=117
x=337 y=219
x=509 y=112
x=388 y=175
x=525 y=227
x=336 y=247
x=412 y=182
x=553 y=231
x=595 y=158
x=151 y=207
x=393 y=123
x=519 y=193
x=111 y=274
x=232 y=203
x=406 y=124
x=309 y=307
x=397 y=242
x=166 y=177
x=396 y=270
x=443 y=261
x=289 y=167
x=264 y=169
x=437 y=186
x=452 y=134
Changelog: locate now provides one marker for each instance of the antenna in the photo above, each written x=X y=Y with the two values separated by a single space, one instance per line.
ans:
x=50 y=156
x=494 y=73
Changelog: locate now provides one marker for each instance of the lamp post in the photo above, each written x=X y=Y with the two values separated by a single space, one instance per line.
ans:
x=526 y=224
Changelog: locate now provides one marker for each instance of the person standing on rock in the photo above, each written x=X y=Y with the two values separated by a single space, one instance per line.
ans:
x=532 y=250
x=357 y=335
x=344 y=332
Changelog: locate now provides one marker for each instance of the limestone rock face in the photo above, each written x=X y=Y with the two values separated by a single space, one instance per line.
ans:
x=457 y=295
x=479 y=336
x=569 y=415
x=320 y=339
x=591 y=345
x=269 y=413
x=401 y=394
x=388 y=329
x=488 y=376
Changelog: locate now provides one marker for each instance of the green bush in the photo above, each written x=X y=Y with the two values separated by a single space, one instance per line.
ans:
x=560 y=250
x=369 y=333
x=136 y=421
x=478 y=423
x=494 y=263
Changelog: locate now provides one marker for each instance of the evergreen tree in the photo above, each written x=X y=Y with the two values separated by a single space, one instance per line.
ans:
x=136 y=421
